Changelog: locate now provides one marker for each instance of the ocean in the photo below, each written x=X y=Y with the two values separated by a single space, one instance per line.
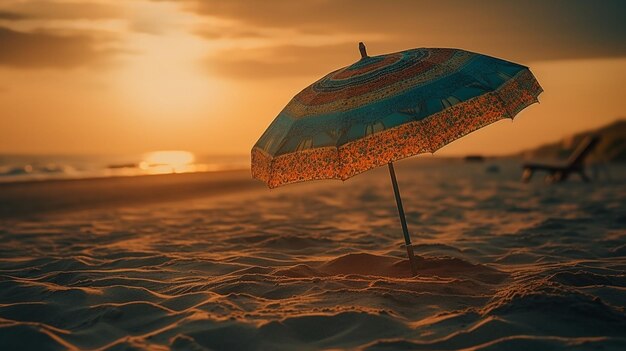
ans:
x=14 y=167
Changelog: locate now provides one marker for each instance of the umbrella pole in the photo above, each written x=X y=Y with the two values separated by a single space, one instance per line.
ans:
x=405 y=229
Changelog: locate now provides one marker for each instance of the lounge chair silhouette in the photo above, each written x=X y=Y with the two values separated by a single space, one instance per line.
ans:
x=558 y=172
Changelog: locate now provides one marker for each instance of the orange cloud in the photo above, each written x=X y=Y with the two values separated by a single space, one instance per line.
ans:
x=62 y=10
x=42 y=49
x=11 y=16
x=527 y=31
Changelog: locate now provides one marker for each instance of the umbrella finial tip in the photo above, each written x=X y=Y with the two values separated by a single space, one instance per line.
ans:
x=363 y=50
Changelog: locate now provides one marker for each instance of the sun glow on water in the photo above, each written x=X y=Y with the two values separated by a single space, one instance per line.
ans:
x=169 y=161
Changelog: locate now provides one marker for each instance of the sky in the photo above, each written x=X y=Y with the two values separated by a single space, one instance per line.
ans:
x=208 y=76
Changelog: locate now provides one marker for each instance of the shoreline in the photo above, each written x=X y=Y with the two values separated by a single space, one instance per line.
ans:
x=35 y=197
x=31 y=197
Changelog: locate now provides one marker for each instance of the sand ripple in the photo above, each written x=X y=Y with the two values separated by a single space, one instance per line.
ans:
x=502 y=266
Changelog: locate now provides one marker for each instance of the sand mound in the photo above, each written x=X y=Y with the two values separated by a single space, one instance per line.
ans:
x=367 y=264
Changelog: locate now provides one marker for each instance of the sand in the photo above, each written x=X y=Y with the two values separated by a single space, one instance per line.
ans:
x=225 y=264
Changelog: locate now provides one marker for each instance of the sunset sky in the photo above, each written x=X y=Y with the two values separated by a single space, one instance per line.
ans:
x=209 y=76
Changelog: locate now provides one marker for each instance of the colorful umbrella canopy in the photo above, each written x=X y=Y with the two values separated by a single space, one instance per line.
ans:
x=384 y=108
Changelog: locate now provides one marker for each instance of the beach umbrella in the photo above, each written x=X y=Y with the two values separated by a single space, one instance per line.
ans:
x=384 y=108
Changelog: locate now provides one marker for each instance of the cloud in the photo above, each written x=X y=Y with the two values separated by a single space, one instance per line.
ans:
x=11 y=16
x=524 y=31
x=139 y=17
x=539 y=20
x=281 y=61
x=48 y=50
x=63 y=10
x=228 y=33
